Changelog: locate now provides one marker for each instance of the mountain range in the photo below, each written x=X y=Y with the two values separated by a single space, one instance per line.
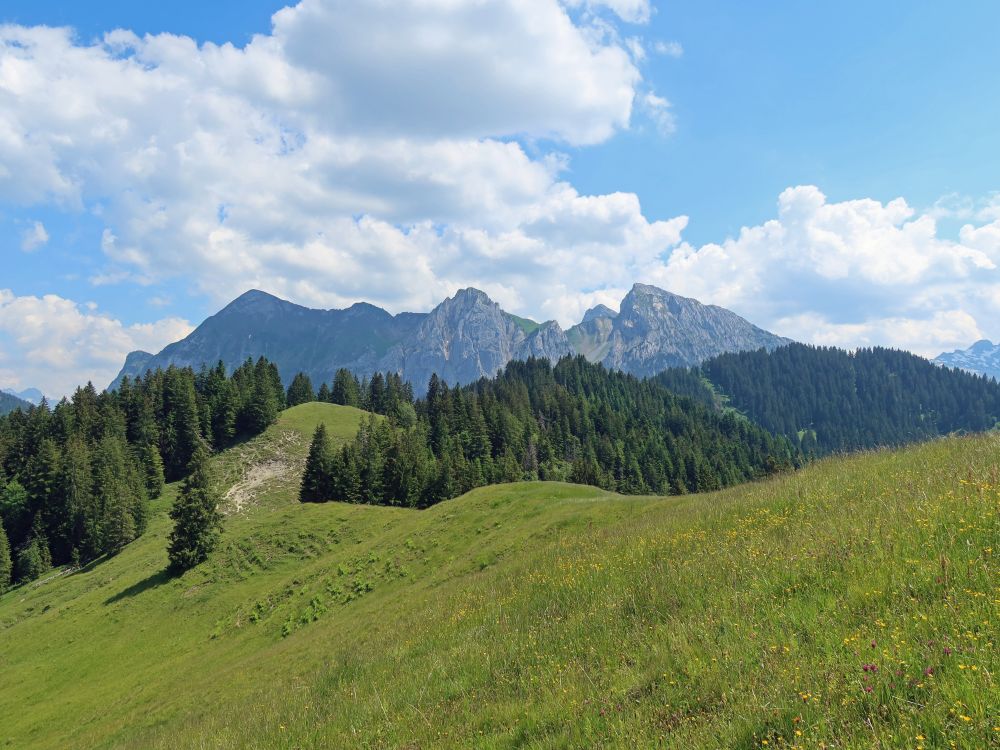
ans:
x=464 y=338
x=9 y=402
x=982 y=358
x=31 y=395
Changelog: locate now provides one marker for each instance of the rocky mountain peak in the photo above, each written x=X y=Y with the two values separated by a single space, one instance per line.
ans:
x=464 y=338
x=598 y=312
x=982 y=358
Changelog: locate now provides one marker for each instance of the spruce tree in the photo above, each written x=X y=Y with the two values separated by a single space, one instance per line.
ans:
x=300 y=391
x=5 y=562
x=324 y=394
x=34 y=559
x=196 y=516
x=346 y=390
x=316 y=486
x=152 y=468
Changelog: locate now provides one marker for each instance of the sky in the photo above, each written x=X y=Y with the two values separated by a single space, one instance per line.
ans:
x=828 y=171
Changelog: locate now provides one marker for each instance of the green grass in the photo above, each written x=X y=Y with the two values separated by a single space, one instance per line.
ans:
x=525 y=324
x=537 y=615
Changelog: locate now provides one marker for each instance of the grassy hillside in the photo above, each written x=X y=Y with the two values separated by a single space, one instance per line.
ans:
x=535 y=615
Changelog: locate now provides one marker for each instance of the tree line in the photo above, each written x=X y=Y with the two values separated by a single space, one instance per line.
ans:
x=76 y=479
x=829 y=400
x=574 y=421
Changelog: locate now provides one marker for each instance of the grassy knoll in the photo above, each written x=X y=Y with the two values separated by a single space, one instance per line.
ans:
x=852 y=605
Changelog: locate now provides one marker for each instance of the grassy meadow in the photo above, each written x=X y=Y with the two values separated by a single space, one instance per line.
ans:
x=853 y=604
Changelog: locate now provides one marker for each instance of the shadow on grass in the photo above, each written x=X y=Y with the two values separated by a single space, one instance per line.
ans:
x=150 y=582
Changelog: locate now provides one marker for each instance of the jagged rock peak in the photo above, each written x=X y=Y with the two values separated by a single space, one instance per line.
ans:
x=597 y=312
x=470 y=297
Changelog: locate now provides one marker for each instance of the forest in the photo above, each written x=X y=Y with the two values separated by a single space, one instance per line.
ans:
x=76 y=479
x=828 y=400
x=574 y=422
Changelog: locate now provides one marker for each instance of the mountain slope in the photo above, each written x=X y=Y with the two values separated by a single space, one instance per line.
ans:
x=830 y=400
x=9 y=402
x=31 y=395
x=464 y=338
x=467 y=337
x=982 y=358
x=537 y=615
x=656 y=329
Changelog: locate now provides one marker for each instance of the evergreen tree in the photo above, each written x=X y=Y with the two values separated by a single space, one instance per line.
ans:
x=6 y=568
x=346 y=389
x=196 y=516
x=33 y=560
x=316 y=485
x=324 y=395
x=263 y=408
x=152 y=467
x=300 y=391
x=116 y=499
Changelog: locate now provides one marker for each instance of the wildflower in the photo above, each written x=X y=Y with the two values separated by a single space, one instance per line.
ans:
x=929 y=671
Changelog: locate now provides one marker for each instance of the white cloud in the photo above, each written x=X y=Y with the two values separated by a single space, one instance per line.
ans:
x=851 y=273
x=54 y=344
x=395 y=150
x=669 y=49
x=658 y=110
x=939 y=332
x=363 y=149
x=34 y=237
x=630 y=11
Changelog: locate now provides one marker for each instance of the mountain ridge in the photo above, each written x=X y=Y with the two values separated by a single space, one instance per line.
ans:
x=982 y=358
x=465 y=337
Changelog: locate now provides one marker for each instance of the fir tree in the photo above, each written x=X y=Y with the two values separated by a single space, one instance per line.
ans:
x=324 y=395
x=152 y=468
x=346 y=389
x=300 y=391
x=316 y=486
x=34 y=560
x=6 y=568
x=196 y=516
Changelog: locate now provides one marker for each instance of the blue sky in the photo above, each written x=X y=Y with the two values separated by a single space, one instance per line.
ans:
x=828 y=171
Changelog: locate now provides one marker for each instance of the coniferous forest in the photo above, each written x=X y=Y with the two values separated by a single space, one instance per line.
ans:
x=76 y=479
x=829 y=400
x=574 y=422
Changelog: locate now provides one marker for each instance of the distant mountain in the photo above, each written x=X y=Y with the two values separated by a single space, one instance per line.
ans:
x=656 y=330
x=982 y=358
x=31 y=395
x=9 y=403
x=466 y=337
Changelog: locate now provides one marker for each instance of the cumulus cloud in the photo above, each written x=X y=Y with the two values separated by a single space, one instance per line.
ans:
x=395 y=150
x=34 y=237
x=54 y=344
x=852 y=273
x=362 y=149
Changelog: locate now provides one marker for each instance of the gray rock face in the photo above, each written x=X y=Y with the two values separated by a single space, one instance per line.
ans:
x=599 y=312
x=656 y=330
x=982 y=358
x=548 y=341
x=467 y=337
x=463 y=339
